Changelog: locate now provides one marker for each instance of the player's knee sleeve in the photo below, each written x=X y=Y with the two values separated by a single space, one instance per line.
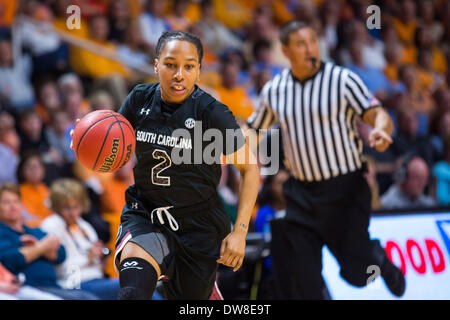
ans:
x=137 y=279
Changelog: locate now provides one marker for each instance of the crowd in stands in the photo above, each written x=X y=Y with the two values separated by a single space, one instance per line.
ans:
x=58 y=220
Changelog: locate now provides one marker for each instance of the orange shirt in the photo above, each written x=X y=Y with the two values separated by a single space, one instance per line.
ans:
x=232 y=13
x=7 y=12
x=237 y=100
x=439 y=61
x=90 y=64
x=391 y=72
x=405 y=31
x=409 y=54
x=112 y=202
x=35 y=200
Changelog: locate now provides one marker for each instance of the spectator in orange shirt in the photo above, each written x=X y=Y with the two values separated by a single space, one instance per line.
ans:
x=393 y=53
x=7 y=12
x=112 y=205
x=428 y=79
x=95 y=65
x=406 y=23
x=177 y=19
x=30 y=174
x=233 y=95
x=416 y=99
x=424 y=39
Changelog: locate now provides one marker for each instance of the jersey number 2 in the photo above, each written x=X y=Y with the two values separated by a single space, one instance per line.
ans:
x=163 y=165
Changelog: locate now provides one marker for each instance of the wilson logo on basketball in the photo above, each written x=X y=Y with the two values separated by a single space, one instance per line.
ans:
x=109 y=160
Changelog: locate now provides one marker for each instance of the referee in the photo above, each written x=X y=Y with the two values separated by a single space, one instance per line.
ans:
x=328 y=199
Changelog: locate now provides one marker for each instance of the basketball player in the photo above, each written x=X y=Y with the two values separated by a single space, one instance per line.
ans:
x=174 y=226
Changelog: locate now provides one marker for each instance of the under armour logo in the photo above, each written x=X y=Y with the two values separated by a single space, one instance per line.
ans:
x=189 y=123
x=144 y=110
x=134 y=205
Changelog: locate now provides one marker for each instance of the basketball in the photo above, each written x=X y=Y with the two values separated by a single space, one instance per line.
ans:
x=103 y=141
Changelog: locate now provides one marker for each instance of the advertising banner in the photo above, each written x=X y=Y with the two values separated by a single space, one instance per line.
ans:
x=419 y=244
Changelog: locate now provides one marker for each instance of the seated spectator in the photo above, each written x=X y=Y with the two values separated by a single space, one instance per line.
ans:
x=427 y=19
x=12 y=288
x=330 y=14
x=408 y=139
x=72 y=96
x=119 y=18
x=177 y=19
x=215 y=35
x=424 y=39
x=441 y=126
x=9 y=149
x=233 y=95
x=283 y=11
x=33 y=137
x=34 y=192
x=58 y=136
x=259 y=80
x=406 y=23
x=262 y=27
x=60 y=20
x=373 y=78
x=48 y=99
x=112 y=204
x=428 y=79
x=372 y=50
x=271 y=202
x=134 y=51
x=101 y=100
x=262 y=58
x=414 y=98
x=84 y=250
x=94 y=65
x=15 y=75
x=411 y=180
x=393 y=53
x=232 y=13
x=49 y=53
x=30 y=251
x=441 y=172
x=152 y=21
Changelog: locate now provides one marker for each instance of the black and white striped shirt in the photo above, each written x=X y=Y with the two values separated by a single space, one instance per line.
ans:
x=317 y=119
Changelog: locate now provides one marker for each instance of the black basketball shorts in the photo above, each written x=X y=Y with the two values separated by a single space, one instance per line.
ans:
x=185 y=244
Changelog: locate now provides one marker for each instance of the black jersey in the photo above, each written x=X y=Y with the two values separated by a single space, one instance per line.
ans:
x=161 y=137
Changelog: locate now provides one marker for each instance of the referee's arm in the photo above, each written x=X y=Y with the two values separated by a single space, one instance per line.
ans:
x=370 y=110
x=379 y=120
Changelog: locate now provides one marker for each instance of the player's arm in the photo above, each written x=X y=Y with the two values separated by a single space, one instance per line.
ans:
x=380 y=121
x=232 y=251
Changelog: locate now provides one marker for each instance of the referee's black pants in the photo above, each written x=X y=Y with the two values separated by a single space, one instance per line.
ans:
x=335 y=213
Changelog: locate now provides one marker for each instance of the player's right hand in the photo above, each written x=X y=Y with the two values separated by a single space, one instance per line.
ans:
x=71 y=134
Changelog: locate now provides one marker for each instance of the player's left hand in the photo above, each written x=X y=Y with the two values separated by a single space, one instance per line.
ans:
x=232 y=251
x=379 y=139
